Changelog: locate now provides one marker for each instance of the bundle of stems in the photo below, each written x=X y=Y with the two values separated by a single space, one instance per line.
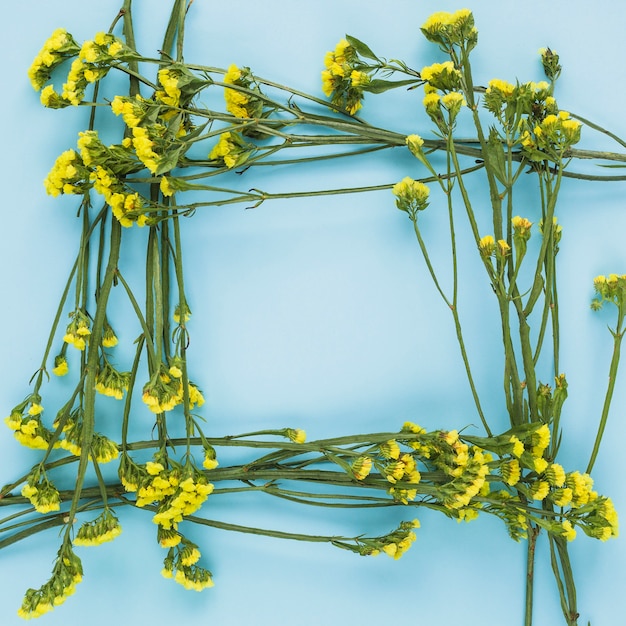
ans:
x=141 y=182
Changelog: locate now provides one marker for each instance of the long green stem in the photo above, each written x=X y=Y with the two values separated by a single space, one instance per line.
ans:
x=89 y=415
x=618 y=335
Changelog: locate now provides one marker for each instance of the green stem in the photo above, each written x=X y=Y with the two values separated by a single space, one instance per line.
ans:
x=91 y=371
x=617 y=342
x=533 y=534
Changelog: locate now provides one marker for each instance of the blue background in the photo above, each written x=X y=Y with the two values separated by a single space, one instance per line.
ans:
x=319 y=314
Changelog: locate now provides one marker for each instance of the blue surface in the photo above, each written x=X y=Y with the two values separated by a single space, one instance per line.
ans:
x=319 y=314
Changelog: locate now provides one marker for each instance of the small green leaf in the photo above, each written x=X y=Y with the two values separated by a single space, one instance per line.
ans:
x=362 y=49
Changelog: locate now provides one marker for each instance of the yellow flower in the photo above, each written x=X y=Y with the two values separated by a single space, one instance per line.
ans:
x=168 y=538
x=451 y=28
x=450 y=437
x=555 y=475
x=230 y=149
x=539 y=489
x=359 y=79
x=431 y=102
x=143 y=148
x=210 y=463
x=296 y=435
x=109 y=339
x=154 y=468
x=442 y=75
x=361 y=467
x=487 y=245
x=518 y=446
x=14 y=421
x=562 y=496
x=503 y=247
x=171 y=92
x=453 y=101
x=411 y=196
x=165 y=187
x=390 y=449
x=501 y=86
x=35 y=409
x=539 y=465
x=511 y=472
x=540 y=440
x=115 y=48
x=568 y=530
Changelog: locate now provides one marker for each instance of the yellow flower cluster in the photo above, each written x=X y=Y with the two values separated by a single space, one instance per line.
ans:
x=178 y=491
x=520 y=106
x=152 y=482
x=66 y=574
x=105 y=527
x=502 y=88
x=469 y=468
x=343 y=79
x=177 y=87
x=550 y=137
x=398 y=467
x=125 y=207
x=602 y=523
x=403 y=470
x=41 y=493
x=395 y=544
x=521 y=227
x=28 y=429
x=411 y=196
x=132 y=110
x=187 y=499
x=143 y=143
x=596 y=515
x=231 y=150
x=78 y=330
x=170 y=94
x=67 y=176
x=103 y=449
x=56 y=49
x=110 y=382
x=449 y=29
x=181 y=565
x=166 y=391
x=611 y=288
x=92 y=64
x=487 y=246
x=443 y=76
x=240 y=103
x=92 y=151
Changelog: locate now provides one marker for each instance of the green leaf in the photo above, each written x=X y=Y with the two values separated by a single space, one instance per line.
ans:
x=378 y=85
x=169 y=160
x=362 y=49
x=494 y=156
